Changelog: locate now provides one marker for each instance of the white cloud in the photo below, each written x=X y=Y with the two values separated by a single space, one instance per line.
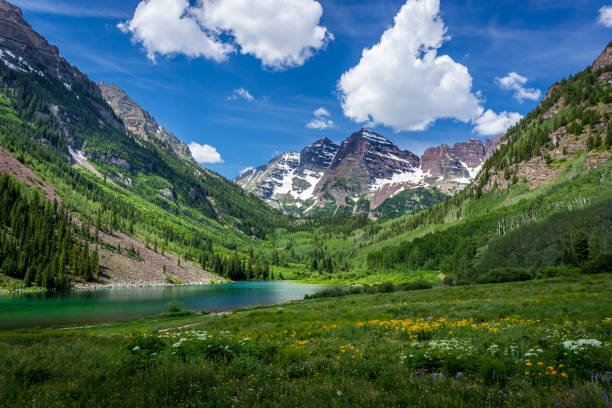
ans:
x=280 y=33
x=493 y=124
x=242 y=93
x=204 y=153
x=321 y=120
x=167 y=27
x=246 y=170
x=321 y=112
x=515 y=82
x=605 y=16
x=401 y=81
x=321 y=124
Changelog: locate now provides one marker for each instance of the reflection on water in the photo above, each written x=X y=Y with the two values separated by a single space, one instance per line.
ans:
x=82 y=307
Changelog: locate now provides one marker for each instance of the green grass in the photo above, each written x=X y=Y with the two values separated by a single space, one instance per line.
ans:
x=448 y=346
x=375 y=278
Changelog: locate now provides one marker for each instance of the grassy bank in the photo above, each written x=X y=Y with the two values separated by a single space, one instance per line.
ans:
x=530 y=344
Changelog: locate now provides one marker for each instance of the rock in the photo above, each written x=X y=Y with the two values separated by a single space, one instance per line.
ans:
x=437 y=377
x=604 y=59
x=140 y=122
x=167 y=194
x=366 y=166
x=459 y=376
x=22 y=49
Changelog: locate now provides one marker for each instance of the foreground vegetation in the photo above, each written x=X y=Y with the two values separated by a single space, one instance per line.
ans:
x=533 y=344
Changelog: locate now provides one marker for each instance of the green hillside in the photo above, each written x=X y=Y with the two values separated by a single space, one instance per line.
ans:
x=540 y=207
x=207 y=215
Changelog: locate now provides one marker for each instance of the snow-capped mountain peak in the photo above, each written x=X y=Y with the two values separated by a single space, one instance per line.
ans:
x=366 y=167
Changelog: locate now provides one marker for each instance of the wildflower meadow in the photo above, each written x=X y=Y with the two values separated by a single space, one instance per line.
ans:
x=528 y=344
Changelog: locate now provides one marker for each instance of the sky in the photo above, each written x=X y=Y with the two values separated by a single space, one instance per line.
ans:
x=241 y=81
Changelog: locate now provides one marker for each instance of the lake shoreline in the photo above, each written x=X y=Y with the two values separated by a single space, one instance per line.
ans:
x=101 y=305
x=83 y=287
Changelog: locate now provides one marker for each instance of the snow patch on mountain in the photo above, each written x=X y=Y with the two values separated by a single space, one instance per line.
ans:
x=415 y=177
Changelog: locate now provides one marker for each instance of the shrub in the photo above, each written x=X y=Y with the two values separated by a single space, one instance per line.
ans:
x=32 y=373
x=506 y=274
x=370 y=289
x=556 y=271
x=448 y=281
x=336 y=291
x=174 y=307
x=601 y=264
x=386 y=287
x=417 y=285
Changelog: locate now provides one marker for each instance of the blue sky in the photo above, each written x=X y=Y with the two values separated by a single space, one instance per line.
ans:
x=197 y=97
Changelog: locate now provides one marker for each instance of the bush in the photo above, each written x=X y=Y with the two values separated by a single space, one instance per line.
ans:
x=336 y=291
x=556 y=271
x=370 y=289
x=601 y=264
x=417 y=285
x=507 y=274
x=32 y=373
x=386 y=287
x=448 y=281
x=174 y=307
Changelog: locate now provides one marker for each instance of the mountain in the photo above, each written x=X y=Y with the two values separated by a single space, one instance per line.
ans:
x=133 y=193
x=140 y=122
x=362 y=173
x=540 y=207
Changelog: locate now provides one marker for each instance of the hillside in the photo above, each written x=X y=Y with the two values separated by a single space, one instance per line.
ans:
x=362 y=174
x=117 y=171
x=540 y=206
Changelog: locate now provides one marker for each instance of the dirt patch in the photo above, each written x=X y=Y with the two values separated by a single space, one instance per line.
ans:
x=118 y=269
x=13 y=167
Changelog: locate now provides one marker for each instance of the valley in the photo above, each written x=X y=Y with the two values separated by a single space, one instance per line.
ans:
x=352 y=272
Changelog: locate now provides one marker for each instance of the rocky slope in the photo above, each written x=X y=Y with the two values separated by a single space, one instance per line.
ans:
x=134 y=179
x=361 y=174
x=574 y=117
x=140 y=122
x=24 y=50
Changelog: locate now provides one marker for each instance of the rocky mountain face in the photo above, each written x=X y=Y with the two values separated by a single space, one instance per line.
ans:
x=361 y=174
x=24 y=50
x=140 y=122
x=452 y=167
x=290 y=179
x=579 y=137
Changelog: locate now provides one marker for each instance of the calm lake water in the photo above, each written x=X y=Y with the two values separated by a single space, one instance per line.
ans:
x=105 y=305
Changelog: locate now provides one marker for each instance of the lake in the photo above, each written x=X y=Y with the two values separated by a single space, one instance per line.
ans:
x=105 y=305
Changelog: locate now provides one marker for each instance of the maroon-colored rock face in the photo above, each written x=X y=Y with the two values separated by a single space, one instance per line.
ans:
x=603 y=60
x=377 y=157
x=453 y=161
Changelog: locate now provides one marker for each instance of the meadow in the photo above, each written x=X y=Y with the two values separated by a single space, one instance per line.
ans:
x=527 y=344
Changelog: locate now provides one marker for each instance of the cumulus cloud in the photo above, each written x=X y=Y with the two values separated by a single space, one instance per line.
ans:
x=242 y=93
x=321 y=112
x=402 y=82
x=605 y=16
x=280 y=33
x=321 y=120
x=204 y=153
x=515 y=82
x=493 y=124
x=167 y=27
x=321 y=124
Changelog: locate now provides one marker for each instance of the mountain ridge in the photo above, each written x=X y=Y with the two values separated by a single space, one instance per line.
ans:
x=362 y=172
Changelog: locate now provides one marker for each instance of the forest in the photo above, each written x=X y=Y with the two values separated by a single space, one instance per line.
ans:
x=38 y=243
